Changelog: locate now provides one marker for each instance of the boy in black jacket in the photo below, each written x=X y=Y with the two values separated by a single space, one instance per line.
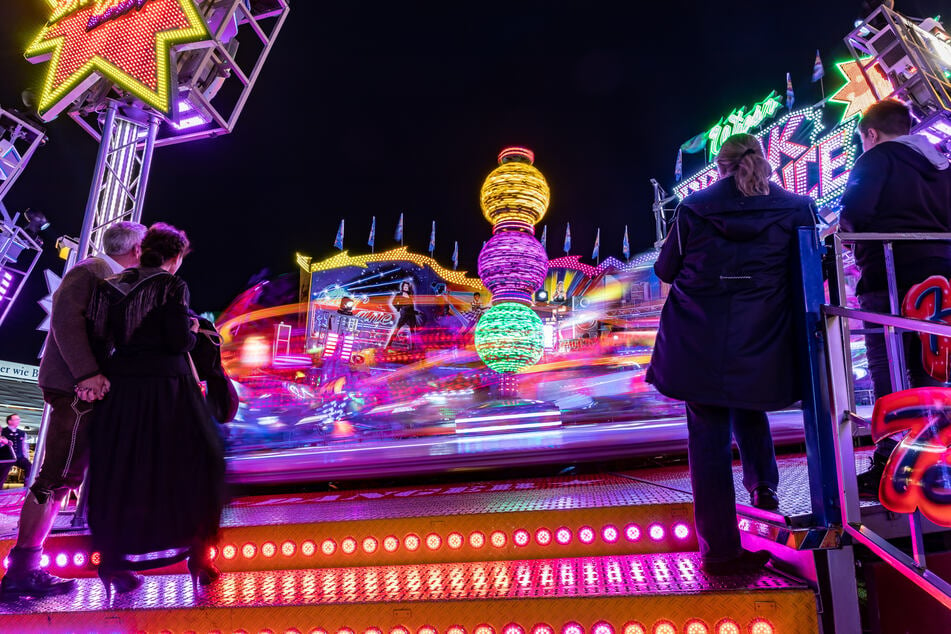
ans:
x=901 y=184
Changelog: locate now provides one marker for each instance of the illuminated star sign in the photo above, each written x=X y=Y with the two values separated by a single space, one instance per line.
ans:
x=856 y=93
x=126 y=41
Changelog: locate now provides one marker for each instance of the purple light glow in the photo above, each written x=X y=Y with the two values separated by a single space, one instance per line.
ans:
x=513 y=266
x=656 y=531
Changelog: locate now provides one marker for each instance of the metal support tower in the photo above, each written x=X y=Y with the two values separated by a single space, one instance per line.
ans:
x=121 y=176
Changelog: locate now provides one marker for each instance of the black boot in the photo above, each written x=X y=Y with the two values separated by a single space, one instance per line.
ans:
x=24 y=578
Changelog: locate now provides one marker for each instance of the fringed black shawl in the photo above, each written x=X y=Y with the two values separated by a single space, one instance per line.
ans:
x=120 y=303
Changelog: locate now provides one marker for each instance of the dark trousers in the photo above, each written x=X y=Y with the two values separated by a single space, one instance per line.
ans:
x=710 y=453
x=22 y=462
x=877 y=356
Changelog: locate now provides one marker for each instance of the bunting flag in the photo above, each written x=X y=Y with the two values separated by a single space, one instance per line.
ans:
x=679 y=165
x=455 y=256
x=399 y=231
x=544 y=239
x=338 y=243
x=818 y=70
x=596 y=253
x=568 y=238
x=790 y=95
x=372 y=240
x=626 y=245
x=696 y=144
x=432 y=239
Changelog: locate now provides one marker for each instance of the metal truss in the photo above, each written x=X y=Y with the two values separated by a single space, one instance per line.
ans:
x=19 y=140
x=121 y=176
x=212 y=85
x=916 y=57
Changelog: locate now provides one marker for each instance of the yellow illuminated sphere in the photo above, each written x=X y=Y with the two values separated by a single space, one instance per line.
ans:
x=515 y=190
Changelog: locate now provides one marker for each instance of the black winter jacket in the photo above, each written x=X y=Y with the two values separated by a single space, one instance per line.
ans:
x=894 y=189
x=726 y=334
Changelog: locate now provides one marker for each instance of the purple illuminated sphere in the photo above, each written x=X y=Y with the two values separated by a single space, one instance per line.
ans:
x=513 y=265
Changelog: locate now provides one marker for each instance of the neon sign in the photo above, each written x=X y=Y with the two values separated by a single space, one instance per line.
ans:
x=127 y=42
x=856 y=94
x=740 y=121
x=803 y=162
x=915 y=472
x=931 y=301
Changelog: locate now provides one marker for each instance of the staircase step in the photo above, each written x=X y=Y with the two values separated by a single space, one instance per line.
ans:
x=663 y=593
x=590 y=515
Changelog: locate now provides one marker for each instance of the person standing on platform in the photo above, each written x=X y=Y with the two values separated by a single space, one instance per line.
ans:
x=901 y=184
x=726 y=342
x=156 y=469
x=71 y=381
x=15 y=439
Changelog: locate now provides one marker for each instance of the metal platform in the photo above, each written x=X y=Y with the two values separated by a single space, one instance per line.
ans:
x=660 y=594
x=643 y=511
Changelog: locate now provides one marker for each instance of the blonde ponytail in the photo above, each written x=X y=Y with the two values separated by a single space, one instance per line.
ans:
x=741 y=156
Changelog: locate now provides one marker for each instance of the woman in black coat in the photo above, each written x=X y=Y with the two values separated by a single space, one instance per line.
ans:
x=156 y=473
x=726 y=343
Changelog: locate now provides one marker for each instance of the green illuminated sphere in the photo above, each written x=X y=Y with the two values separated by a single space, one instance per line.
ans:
x=509 y=337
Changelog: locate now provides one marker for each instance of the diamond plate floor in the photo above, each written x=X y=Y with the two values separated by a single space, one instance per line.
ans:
x=617 y=591
x=794 y=501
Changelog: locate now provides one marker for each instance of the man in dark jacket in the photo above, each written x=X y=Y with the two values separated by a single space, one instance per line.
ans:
x=70 y=380
x=15 y=438
x=901 y=184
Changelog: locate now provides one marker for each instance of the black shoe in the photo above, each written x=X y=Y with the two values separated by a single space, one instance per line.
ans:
x=35 y=583
x=747 y=563
x=765 y=497
x=122 y=580
x=869 y=481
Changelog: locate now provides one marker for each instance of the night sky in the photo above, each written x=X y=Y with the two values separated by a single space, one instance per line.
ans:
x=372 y=109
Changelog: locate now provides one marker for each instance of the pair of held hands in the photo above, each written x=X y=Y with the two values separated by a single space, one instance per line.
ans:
x=96 y=387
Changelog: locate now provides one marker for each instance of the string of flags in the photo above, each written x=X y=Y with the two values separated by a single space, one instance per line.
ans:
x=371 y=240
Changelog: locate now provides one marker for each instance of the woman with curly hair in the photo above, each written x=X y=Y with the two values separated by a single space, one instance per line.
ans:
x=156 y=475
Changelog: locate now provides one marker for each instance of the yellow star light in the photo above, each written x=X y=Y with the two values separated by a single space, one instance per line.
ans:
x=126 y=41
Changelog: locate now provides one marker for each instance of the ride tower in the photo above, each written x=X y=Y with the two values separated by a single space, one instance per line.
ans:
x=138 y=75
x=141 y=74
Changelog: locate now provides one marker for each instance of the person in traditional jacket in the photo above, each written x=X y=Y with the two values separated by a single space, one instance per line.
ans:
x=156 y=475
x=72 y=381
x=726 y=343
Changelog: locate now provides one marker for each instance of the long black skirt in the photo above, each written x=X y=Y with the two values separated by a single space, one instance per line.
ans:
x=157 y=470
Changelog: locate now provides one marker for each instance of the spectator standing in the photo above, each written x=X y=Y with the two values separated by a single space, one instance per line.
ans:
x=71 y=381
x=15 y=438
x=900 y=184
x=726 y=342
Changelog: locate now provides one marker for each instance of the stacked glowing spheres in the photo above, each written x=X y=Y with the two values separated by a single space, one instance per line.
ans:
x=515 y=190
x=509 y=337
x=513 y=265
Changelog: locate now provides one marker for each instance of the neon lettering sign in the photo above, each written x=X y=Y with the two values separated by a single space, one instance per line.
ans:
x=916 y=470
x=740 y=121
x=127 y=42
x=803 y=162
x=931 y=301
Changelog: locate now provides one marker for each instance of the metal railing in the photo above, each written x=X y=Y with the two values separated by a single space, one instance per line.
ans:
x=837 y=335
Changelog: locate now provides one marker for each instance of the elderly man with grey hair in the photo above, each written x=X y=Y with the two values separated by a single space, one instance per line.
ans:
x=71 y=381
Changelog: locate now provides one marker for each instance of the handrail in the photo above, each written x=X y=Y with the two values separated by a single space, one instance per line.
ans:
x=841 y=396
x=888 y=237
x=905 y=323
